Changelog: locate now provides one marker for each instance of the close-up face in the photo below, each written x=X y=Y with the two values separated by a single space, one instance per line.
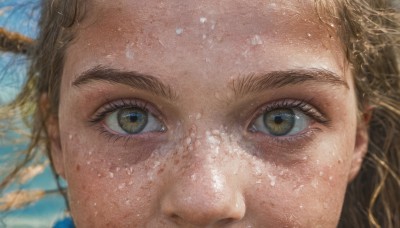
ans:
x=206 y=113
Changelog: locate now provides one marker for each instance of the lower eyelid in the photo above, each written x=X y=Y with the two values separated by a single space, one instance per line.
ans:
x=290 y=142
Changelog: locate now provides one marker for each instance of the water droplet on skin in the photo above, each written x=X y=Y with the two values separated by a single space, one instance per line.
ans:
x=301 y=206
x=179 y=31
x=70 y=136
x=321 y=174
x=197 y=143
x=330 y=178
x=309 y=34
x=256 y=40
x=111 y=174
x=198 y=116
x=188 y=141
x=272 y=180
x=213 y=25
x=314 y=183
x=203 y=20
x=129 y=51
x=121 y=186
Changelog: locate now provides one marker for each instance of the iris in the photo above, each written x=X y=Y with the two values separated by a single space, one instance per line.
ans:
x=132 y=120
x=279 y=122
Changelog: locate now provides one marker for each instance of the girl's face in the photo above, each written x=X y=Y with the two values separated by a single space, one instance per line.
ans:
x=206 y=113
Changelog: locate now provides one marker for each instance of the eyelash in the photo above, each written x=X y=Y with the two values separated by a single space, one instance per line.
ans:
x=301 y=105
x=114 y=106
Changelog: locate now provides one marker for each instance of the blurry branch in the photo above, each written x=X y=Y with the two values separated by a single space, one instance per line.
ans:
x=22 y=198
x=14 y=42
x=30 y=172
x=19 y=199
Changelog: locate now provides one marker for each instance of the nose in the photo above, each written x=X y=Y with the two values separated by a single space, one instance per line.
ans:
x=203 y=197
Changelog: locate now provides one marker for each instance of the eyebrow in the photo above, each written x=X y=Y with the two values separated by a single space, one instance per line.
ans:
x=256 y=83
x=131 y=78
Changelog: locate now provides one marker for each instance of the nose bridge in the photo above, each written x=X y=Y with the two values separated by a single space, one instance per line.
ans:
x=204 y=192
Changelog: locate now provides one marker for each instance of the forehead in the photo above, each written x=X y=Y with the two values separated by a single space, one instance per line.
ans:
x=230 y=17
x=229 y=33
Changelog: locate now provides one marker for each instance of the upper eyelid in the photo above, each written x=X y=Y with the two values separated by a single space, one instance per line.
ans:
x=292 y=103
x=114 y=105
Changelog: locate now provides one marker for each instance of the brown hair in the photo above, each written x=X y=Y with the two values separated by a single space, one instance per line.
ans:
x=369 y=30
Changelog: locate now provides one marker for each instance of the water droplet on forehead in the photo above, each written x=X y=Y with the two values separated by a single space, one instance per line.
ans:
x=256 y=40
x=198 y=116
x=179 y=31
x=121 y=186
x=203 y=20
x=272 y=180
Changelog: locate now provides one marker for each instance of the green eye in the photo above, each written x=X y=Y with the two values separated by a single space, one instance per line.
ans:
x=132 y=120
x=280 y=121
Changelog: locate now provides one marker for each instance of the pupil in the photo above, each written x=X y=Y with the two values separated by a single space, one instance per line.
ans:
x=134 y=117
x=278 y=119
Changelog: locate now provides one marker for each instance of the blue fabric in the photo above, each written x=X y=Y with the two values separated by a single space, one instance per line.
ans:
x=66 y=222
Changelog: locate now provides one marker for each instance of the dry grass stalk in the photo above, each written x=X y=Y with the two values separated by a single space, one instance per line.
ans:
x=30 y=172
x=19 y=199
x=14 y=42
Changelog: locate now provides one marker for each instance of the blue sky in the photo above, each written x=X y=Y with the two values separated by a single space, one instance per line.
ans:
x=21 y=16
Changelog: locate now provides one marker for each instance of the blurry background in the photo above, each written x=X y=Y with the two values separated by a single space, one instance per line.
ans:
x=32 y=199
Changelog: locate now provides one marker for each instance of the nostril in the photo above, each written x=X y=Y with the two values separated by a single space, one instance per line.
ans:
x=226 y=221
x=174 y=216
x=175 y=219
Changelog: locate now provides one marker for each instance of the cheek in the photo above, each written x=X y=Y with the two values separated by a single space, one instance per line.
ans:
x=306 y=193
x=105 y=187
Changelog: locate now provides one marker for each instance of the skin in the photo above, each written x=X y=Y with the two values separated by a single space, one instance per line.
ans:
x=207 y=169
